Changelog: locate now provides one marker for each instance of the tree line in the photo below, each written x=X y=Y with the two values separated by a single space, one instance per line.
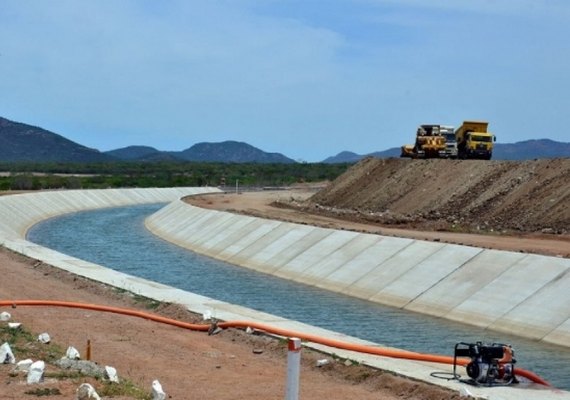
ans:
x=40 y=176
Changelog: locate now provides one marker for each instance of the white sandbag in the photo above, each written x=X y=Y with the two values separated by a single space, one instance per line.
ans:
x=323 y=362
x=6 y=355
x=36 y=372
x=5 y=316
x=72 y=353
x=157 y=392
x=24 y=365
x=111 y=374
x=86 y=392
x=44 y=338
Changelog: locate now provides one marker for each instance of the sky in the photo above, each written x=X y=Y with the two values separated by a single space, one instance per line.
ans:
x=305 y=78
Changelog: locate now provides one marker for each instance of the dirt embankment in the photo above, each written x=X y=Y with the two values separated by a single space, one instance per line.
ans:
x=452 y=195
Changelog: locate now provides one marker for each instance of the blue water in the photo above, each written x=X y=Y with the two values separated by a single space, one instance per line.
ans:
x=117 y=239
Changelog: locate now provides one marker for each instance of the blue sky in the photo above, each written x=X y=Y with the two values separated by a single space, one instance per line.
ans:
x=304 y=78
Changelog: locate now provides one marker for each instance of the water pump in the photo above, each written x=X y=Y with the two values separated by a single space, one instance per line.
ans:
x=491 y=364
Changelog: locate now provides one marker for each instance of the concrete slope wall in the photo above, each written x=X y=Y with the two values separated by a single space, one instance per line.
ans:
x=524 y=294
x=18 y=212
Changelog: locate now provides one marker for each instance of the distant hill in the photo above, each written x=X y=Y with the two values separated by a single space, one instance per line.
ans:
x=531 y=149
x=233 y=152
x=350 y=157
x=133 y=152
x=228 y=151
x=343 y=157
x=20 y=142
x=391 y=152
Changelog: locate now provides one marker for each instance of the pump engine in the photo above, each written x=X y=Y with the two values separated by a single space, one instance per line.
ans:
x=490 y=364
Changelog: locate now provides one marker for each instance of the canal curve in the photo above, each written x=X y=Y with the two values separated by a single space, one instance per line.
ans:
x=116 y=238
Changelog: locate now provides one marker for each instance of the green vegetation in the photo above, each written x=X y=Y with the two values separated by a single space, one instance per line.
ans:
x=122 y=389
x=25 y=345
x=37 y=176
x=44 y=392
x=148 y=303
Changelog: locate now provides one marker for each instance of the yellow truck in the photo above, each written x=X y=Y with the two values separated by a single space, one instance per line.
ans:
x=473 y=140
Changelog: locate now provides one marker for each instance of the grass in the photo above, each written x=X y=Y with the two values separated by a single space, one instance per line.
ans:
x=44 y=392
x=25 y=345
x=148 y=303
x=123 y=388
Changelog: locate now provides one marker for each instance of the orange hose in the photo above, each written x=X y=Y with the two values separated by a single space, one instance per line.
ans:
x=360 y=348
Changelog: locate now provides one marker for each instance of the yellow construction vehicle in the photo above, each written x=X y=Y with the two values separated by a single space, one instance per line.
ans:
x=407 y=150
x=430 y=143
x=473 y=140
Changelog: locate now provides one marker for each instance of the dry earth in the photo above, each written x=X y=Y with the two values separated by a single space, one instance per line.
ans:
x=454 y=195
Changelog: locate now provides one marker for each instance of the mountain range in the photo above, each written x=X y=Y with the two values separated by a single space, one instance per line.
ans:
x=20 y=142
x=524 y=150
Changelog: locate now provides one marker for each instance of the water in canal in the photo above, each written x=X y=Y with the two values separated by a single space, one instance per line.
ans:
x=116 y=238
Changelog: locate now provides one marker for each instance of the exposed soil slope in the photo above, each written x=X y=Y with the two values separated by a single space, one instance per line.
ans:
x=459 y=195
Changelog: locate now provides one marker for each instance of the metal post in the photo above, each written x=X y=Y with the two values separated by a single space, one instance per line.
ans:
x=237 y=186
x=293 y=369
